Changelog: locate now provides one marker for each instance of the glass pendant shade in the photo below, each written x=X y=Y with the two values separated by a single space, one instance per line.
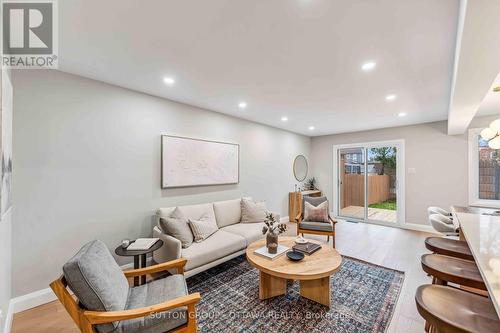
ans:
x=488 y=133
x=495 y=126
x=495 y=143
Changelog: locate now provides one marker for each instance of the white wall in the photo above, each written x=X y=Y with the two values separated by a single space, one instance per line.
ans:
x=5 y=256
x=87 y=165
x=440 y=161
x=5 y=266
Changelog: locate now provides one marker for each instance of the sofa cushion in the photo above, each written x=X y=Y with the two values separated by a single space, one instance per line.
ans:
x=177 y=226
x=197 y=211
x=97 y=280
x=189 y=211
x=165 y=212
x=250 y=231
x=217 y=246
x=316 y=226
x=227 y=212
x=155 y=292
x=317 y=213
x=315 y=201
x=203 y=228
x=253 y=211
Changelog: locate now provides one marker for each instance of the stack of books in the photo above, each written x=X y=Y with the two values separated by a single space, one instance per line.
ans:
x=142 y=244
x=262 y=251
x=307 y=248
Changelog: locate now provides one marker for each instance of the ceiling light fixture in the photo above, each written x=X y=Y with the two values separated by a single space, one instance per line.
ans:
x=311 y=128
x=390 y=98
x=492 y=134
x=368 y=66
x=242 y=105
x=402 y=114
x=168 y=81
x=284 y=118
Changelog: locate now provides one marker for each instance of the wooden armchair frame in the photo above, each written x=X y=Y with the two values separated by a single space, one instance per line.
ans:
x=298 y=219
x=85 y=320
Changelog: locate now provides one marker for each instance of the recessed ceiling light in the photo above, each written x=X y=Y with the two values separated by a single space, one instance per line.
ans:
x=242 y=105
x=169 y=80
x=402 y=114
x=368 y=66
x=284 y=118
x=311 y=128
x=390 y=97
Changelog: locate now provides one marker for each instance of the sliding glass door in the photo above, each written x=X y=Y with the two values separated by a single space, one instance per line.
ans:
x=352 y=182
x=368 y=182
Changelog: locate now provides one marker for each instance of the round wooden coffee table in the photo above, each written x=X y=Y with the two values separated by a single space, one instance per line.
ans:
x=313 y=271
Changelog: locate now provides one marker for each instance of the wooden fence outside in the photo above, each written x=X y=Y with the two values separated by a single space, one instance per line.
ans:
x=353 y=189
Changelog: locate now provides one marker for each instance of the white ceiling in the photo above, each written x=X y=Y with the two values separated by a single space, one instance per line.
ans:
x=294 y=58
x=491 y=103
x=477 y=63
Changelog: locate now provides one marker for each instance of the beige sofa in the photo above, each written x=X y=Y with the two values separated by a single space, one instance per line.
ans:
x=228 y=242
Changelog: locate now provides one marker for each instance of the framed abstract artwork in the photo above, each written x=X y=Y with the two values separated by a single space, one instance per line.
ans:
x=194 y=162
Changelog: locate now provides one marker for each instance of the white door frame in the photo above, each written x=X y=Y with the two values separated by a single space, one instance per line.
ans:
x=400 y=178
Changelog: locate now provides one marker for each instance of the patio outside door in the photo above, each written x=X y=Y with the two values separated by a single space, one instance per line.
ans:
x=352 y=182
x=368 y=182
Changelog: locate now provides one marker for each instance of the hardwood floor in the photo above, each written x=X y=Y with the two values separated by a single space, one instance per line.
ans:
x=390 y=247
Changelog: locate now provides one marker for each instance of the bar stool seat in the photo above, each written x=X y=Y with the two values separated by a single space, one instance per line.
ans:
x=449 y=247
x=452 y=310
x=448 y=269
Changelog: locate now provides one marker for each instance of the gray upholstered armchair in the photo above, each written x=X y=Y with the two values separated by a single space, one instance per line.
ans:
x=313 y=227
x=106 y=304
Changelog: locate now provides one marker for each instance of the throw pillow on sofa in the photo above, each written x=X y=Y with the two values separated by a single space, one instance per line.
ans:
x=253 y=211
x=317 y=213
x=177 y=226
x=203 y=227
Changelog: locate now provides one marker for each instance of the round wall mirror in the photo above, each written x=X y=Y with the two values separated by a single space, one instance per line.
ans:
x=300 y=168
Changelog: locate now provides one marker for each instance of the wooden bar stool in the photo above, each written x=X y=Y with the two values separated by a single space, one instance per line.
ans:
x=446 y=269
x=449 y=247
x=448 y=310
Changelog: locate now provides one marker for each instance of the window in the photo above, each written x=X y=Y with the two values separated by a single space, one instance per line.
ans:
x=484 y=172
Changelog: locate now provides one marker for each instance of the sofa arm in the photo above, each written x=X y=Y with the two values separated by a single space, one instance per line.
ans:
x=170 y=250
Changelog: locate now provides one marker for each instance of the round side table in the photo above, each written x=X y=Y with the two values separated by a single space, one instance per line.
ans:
x=313 y=271
x=139 y=258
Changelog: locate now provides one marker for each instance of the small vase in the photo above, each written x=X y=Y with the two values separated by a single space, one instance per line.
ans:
x=272 y=242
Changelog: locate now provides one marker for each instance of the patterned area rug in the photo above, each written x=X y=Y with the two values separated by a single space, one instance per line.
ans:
x=364 y=297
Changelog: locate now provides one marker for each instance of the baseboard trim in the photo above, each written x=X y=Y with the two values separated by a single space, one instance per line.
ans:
x=43 y=296
x=32 y=300
x=9 y=316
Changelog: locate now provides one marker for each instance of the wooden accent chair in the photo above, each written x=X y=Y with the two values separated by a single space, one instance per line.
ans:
x=105 y=303
x=315 y=228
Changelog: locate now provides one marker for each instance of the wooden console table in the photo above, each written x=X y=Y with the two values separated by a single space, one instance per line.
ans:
x=295 y=202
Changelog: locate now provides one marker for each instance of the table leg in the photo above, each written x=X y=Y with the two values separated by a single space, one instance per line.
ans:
x=143 y=264
x=271 y=286
x=461 y=235
x=316 y=290
x=136 y=266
